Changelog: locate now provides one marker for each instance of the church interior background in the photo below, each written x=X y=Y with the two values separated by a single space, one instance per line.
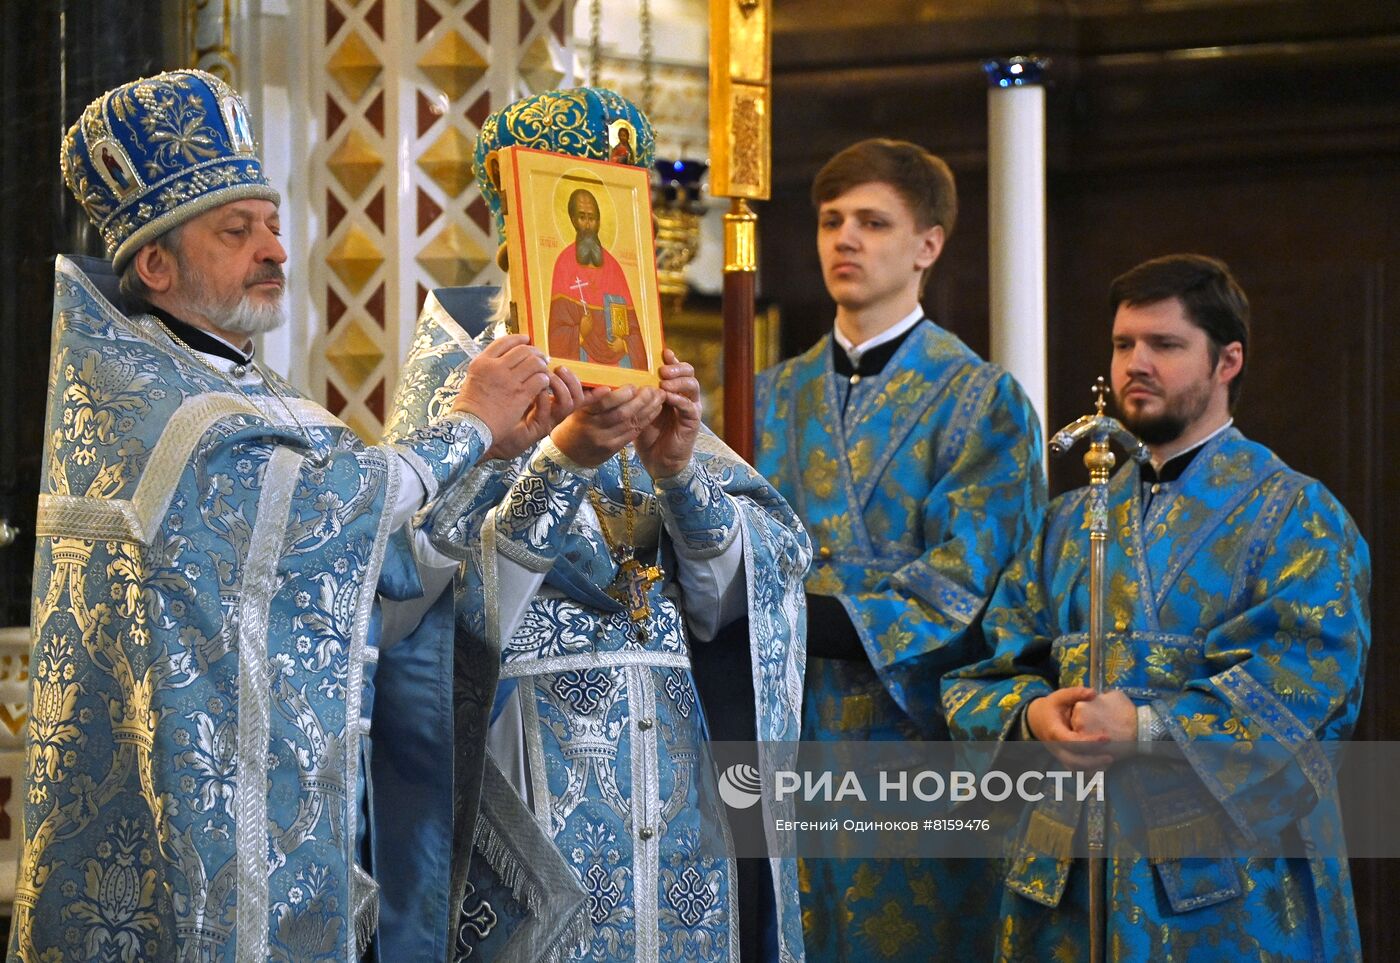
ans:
x=1265 y=132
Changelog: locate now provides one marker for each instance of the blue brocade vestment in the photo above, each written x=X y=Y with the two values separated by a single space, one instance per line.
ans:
x=1237 y=607
x=918 y=485
x=613 y=726
x=206 y=637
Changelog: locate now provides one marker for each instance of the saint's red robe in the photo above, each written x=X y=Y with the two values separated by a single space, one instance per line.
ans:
x=586 y=303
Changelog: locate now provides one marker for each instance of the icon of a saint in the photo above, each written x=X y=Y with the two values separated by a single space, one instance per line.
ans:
x=592 y=316
x=236 y=122
x=116 y=174
x=622 y=150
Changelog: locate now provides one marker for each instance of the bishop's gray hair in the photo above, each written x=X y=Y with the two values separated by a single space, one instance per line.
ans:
x=500 y=304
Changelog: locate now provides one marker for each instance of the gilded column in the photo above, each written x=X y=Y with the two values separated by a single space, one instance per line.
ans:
x=741 y=149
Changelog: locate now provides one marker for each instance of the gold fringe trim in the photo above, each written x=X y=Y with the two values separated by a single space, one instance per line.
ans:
x=1199 y=836
x=1049 y=836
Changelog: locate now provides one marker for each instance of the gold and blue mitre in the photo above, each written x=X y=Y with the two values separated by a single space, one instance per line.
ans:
x=579 y=122
x=149 y=155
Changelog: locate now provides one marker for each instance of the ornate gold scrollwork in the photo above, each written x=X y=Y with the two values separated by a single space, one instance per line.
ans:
x=740 y=79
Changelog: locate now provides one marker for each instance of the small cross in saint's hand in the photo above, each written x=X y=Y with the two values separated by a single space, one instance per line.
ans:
x=578 y=285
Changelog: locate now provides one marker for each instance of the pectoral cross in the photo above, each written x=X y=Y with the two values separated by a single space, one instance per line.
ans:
x=578 y=285
x=631 y=585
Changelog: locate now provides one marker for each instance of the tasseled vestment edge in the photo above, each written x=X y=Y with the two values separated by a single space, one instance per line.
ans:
x=364 y=898
x=503 y=858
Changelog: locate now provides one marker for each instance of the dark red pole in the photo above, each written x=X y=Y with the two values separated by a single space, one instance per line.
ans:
x=740 y=273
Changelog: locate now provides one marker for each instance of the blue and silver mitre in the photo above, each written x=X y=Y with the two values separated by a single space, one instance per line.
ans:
x=589 y=122
x=149 y=155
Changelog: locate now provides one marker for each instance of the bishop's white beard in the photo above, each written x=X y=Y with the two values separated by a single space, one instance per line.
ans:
x=241 y=313
x=500 y=307
x=254 y=317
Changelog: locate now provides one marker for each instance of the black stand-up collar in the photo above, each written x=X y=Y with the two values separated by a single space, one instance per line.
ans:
x=872 y=362
x=199 y=339
x=1173 y=467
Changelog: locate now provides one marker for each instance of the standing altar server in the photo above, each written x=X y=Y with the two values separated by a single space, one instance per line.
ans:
x=916 y=466
x=1236 y=611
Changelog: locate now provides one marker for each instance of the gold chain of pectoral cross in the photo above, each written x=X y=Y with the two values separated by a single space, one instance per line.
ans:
x=633 y=579
x=317 y=457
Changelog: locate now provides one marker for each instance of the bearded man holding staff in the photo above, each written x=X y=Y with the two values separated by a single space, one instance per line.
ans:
x=1237 y=614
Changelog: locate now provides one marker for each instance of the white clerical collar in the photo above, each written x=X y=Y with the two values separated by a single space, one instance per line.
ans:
x=248 y=348
x=1158 y=463
x=854 y=351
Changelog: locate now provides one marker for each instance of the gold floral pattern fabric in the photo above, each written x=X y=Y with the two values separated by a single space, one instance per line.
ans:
x=579 y=122
x=1238 y=609
x=918 y=485
x=204 y=587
